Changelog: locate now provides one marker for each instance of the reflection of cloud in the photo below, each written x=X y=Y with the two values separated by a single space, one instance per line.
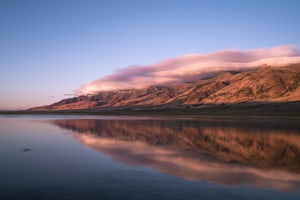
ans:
x=187 y=165
x=192 y=67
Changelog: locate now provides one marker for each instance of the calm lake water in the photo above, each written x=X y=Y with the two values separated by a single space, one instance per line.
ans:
x=100 y=157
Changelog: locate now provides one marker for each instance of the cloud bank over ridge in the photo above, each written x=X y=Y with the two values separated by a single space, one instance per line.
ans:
x=192 y=67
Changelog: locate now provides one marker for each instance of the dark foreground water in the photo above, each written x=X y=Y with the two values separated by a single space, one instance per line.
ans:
x=89 y=157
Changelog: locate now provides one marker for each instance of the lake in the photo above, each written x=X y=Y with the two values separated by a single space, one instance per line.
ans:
x=111 y=157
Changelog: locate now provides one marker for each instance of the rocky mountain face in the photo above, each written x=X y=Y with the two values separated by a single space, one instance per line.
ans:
x=265 y=84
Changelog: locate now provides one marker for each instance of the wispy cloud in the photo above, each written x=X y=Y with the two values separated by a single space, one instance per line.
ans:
x=192 y=67
x=70 y=95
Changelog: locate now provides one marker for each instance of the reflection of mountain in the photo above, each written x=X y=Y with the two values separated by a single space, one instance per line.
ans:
x=252 y=146
x=193 y=150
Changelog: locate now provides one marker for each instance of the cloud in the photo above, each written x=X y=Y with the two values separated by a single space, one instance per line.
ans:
x=192 y=67
x=71 y=94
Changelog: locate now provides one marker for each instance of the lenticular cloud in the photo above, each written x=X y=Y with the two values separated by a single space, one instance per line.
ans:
x=192 y=67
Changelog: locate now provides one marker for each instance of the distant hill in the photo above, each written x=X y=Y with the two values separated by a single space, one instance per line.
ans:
x=265 y=84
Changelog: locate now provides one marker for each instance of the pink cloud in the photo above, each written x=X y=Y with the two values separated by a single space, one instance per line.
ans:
x=192 y=67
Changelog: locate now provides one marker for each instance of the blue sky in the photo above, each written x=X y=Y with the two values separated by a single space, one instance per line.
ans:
x=51 y=48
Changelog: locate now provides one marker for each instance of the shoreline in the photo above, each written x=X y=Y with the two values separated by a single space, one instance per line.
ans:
x=244 y=110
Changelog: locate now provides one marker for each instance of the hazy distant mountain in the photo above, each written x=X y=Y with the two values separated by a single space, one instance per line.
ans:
x=265 y=84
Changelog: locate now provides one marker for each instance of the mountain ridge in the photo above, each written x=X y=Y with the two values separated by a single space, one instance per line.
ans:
x=264 y=84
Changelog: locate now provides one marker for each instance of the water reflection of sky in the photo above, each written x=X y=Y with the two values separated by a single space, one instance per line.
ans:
x=264 y=155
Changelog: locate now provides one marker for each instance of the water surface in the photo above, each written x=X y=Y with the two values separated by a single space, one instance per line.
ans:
x=93 y=157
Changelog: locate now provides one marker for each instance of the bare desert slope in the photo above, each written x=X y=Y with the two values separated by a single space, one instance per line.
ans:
x=264 y=84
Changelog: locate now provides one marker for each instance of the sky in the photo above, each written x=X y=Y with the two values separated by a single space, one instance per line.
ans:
x=51 y=49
